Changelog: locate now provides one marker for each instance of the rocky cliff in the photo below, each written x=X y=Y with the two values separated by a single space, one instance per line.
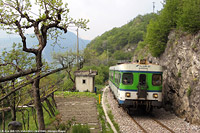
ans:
x=181 y=77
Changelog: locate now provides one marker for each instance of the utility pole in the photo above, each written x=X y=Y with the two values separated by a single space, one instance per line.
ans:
x=107 y=56
x=77 y=58
x=153 y=6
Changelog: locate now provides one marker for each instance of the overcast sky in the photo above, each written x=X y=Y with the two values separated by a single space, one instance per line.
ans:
x=107 y=14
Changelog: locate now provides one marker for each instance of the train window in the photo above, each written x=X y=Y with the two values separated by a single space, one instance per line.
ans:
x=156 y=79
x=116 y=78
x=142 y=80
x=111 y=75
x=127 y=78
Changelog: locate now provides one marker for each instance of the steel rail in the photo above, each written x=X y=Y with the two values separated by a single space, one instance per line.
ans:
x=164 y=126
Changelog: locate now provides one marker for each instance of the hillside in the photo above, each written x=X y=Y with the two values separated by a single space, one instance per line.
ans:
x=120 y=42
x=67 y=41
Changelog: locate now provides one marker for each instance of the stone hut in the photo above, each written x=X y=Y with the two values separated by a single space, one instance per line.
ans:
x=84 y=80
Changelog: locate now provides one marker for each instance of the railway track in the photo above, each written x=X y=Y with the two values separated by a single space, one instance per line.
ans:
x=159 y=121
x=146 y=128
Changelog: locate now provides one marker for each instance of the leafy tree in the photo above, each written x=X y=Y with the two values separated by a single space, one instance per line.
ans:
x=159 y=28
x=189 y=19
x=12 y=62
x=120 y=55
x=68 y=59
x=16 y=16
x=102 y=73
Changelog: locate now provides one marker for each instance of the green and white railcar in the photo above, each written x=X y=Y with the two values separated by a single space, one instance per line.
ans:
x=136 y=84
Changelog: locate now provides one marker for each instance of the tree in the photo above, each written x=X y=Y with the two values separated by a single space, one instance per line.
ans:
x=17 y=16
x=67 y=59
x=189 y=16
x=12 y=62
x=159 y=28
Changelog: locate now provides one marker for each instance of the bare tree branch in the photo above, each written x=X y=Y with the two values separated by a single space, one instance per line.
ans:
x=31 y=81
x=17 y=75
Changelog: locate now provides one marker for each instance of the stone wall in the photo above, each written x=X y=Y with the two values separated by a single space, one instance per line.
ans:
x=181 y=77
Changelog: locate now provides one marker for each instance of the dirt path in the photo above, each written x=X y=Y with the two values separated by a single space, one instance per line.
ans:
x=83 y=109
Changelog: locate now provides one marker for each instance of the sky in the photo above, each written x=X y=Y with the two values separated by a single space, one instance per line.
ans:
x=104 y=15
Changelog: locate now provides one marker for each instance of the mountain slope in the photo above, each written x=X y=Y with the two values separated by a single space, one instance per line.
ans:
x=66 y=42
x=120 y=43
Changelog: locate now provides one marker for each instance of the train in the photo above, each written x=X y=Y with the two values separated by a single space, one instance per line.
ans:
x=137 y=84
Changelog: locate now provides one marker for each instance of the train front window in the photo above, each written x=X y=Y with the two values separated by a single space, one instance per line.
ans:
x=156 y=79
x=142 y=80
x=127 y=78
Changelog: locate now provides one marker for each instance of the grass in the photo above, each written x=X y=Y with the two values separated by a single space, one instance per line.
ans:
x=80 y=129
x=179 y=74
x=110 y=115
x=189 y=91
x=28 y=112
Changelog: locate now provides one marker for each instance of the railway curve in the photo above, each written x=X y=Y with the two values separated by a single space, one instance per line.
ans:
x=159 y=121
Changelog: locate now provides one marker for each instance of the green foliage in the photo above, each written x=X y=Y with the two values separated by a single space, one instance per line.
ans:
x=179 y=74
x=121 y=55
x=112 y=45
x=29 y=112
x=110 y=115
x=159 y=28
x=189 y=19
x=189 y=91
x=102 y=73
x=16 y=60
x=183 y=14
x=80 y=129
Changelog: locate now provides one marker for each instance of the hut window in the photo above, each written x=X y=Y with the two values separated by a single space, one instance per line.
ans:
x=84 y=81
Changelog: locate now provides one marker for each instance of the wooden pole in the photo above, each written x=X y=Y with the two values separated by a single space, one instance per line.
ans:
x=99 y=98
x=77 y=58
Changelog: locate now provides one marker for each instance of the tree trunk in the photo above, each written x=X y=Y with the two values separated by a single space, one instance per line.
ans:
x=12 y=103
x=36 y=94
x=3 y=121
x=38 y=105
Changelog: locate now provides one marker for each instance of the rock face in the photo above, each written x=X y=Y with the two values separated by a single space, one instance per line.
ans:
x=181 y=76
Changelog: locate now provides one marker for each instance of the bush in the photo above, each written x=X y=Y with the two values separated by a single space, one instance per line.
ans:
x=156 y=37
x=80 y=129
x=158 y=29
x=189 y=19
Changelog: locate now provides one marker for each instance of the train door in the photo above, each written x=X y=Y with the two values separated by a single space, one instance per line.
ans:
x=142 y=86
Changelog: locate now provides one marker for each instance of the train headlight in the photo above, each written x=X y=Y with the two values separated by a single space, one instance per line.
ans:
x=155 y=95
x=128 y=94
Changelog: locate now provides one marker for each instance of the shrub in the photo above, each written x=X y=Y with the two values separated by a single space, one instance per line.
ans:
x=80 y=129
x=189 y=19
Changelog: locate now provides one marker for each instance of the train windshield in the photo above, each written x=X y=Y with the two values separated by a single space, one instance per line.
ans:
x=156 y=79
x=142 y=80
x=127 y=78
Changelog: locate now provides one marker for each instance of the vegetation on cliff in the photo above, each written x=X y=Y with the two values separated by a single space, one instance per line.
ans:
x=176 y=14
